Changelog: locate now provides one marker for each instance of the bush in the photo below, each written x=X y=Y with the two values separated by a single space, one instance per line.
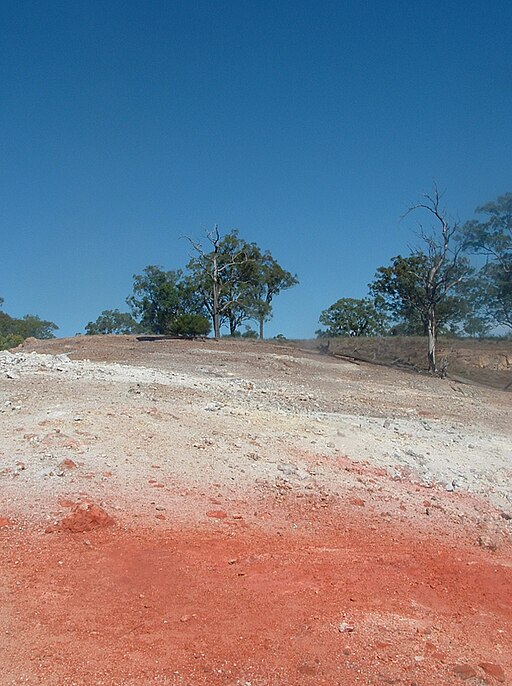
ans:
x=10 y=341
x=112 y=322
x=190 y=325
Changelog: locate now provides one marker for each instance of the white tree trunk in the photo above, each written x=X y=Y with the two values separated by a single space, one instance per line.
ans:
x=215 y=284
x=432 y=335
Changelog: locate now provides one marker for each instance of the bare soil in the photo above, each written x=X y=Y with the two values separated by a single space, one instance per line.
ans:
x=249 y=514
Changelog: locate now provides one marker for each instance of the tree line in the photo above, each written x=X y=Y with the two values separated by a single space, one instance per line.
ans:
x=458 y=280
x=437 y=288
x=14 y=331
x=229 y=282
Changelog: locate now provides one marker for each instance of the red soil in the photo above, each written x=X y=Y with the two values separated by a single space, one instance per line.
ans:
x=227 y=603
x=83 y=518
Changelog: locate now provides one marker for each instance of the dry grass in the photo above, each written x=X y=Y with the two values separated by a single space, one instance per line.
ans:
x=487 y=362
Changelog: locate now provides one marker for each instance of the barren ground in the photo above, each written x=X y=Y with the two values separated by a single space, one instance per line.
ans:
x=248 y=514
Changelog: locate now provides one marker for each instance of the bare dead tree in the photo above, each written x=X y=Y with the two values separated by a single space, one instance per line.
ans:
x=214 y=268
x=213 y=272
x=445 y=266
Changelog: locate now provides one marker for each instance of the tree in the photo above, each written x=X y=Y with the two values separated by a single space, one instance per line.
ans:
x=155 y=299
x=476 y=327
x=248 y=333
x=240 y=278
x=399 y=292
x=33 y=326
x=237 y=282
x=9 y=325
x=226 y=278
x=272 y=279
x=422 y=287
x=28 y=326
x=160 y=297
x=492 y=238
x=112 y=322
x=223 y=277
x=14 y=331
x=9 y=338
x=496 y=291
x=352 y=317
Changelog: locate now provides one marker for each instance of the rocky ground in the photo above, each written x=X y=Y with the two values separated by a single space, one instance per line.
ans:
x=249 y=514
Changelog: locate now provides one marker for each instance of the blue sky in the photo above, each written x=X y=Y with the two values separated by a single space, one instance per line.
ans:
x=309 y=126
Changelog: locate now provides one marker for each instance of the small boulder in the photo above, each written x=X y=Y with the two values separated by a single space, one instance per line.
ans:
x=67 y=463
x=493 y=670
x=345 y=628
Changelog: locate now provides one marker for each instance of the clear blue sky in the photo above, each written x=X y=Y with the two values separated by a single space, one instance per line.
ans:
x=308 y=125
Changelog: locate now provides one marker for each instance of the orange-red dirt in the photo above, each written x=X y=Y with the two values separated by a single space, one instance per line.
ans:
x=83 y=518
x=226 y=603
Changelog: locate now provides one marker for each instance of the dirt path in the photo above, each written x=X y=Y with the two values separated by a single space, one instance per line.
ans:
x=237 y=514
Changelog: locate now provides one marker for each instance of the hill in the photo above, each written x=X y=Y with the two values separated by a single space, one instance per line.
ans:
x=242 y=512
x=482 y=361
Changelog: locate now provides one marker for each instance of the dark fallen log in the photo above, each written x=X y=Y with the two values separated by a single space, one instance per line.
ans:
x=346 y=358
x=152 y=338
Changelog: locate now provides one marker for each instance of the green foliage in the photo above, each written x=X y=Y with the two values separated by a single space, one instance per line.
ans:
x=236 y=281
x=492 y=237
x=155 y=299
x=112 y=322
x=271 y=280
x=33 y=326
x=400 y=292
x=496 y=285
x=233 y=283
x=476 y=327
x=159 y=298
x=10 y=341
x=190 y=325
x=14 y=331
x=352 y=317
x=248 y=333
x=28 y=326
x=224 y=278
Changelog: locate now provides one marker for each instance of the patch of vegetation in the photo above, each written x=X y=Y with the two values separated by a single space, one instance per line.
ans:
x=14 y=331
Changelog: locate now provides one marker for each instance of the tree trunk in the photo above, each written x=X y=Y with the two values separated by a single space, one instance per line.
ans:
x=216 y=325
x=432 y=335
x=261 y=327
x=216 y=316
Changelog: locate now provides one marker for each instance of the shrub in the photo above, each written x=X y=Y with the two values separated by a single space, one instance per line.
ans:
x=190 y=325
